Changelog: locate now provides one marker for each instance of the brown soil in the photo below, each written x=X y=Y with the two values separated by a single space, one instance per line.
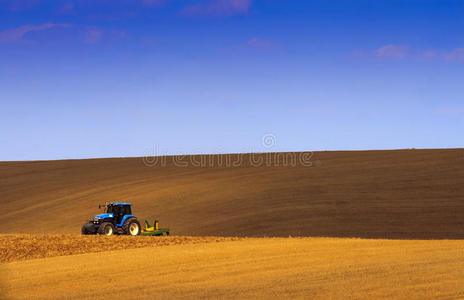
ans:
x=14 y=247
x=407 y=194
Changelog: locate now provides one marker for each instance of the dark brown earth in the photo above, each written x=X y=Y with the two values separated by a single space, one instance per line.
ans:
x=406 y=194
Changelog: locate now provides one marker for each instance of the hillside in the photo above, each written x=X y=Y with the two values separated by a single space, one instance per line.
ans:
x=407 y=194
x=296 y=268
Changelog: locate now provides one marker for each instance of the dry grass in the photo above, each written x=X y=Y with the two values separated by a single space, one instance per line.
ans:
x=407 y=194
x=306 y=268
x=14 y=247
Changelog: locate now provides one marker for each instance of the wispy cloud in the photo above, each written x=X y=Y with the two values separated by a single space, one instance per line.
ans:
x=403 y=52
x=17 y=34
x=94 y=34
x=218 y=8
x=396 y=51
x=84 y=34
x=455 y=55
x=257 y=44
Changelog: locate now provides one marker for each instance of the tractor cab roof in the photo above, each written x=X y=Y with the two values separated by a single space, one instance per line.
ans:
x=119 y=203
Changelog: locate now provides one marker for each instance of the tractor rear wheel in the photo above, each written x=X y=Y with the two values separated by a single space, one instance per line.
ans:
x=106 y=228
x=131 y=226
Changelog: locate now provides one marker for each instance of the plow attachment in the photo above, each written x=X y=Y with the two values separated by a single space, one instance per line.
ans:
x=155 y=230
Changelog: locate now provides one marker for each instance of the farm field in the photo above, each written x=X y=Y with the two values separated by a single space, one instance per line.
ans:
x=15 y=247
x=316 y=268
x=355 y=224
x=406 y=194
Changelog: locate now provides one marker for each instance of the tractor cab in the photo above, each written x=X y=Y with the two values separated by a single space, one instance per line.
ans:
x=118 y=211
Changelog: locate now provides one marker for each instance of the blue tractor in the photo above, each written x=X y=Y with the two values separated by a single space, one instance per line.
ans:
x=116 y=219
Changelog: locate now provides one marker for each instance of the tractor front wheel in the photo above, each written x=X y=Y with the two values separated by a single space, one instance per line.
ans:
x=89 y=228
x=131 y=227
x=106 y=229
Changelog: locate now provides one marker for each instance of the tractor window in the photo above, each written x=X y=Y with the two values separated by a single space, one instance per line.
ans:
x=109 y=209
x=126 y=210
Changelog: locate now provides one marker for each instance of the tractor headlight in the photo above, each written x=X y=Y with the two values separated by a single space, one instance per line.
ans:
x=97 y=219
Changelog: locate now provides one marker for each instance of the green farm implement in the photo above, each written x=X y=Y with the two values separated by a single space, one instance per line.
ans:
x=154 y=230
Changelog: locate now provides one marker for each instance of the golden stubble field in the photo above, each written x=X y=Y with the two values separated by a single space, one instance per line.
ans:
x=306 y=268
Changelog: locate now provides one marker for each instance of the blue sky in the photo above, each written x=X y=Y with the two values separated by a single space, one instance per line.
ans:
x=81 y=79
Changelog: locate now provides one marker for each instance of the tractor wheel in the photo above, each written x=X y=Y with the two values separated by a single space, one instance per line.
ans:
x=106 y=229
x=131 y=226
